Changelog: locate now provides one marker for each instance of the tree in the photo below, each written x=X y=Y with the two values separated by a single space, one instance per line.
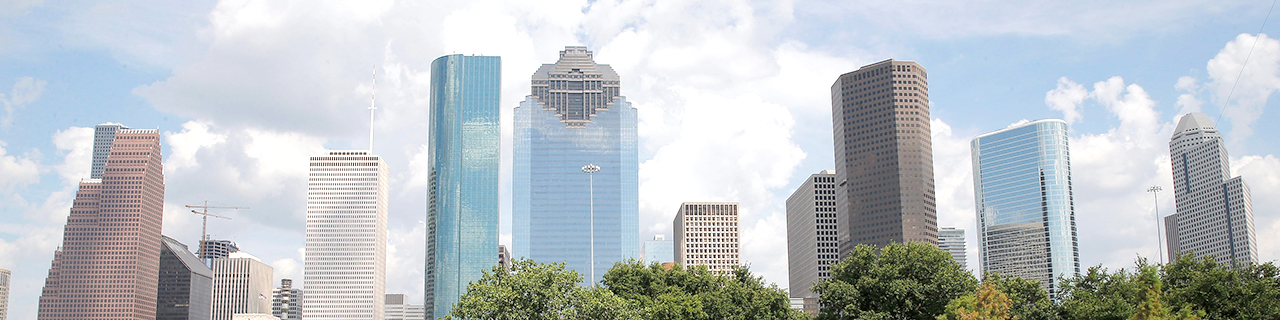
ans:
x=1242 y=291
x=1028 y=299
x=538 y=291
x=988 y=303
x=912 y=281
x=1100 y=295
x=697 y=293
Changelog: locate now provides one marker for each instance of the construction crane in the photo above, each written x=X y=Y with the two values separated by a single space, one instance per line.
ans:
x=204 y=226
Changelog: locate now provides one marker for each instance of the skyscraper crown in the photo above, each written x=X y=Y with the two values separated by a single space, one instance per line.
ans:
x=575 y=86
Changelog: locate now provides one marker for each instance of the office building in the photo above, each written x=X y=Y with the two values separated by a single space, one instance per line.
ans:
x=706 y=233
x=345 y=267
x=504 y=257
x=214 y=249
x=185 y=287
x=812 y=236
x=396 y=309
x=286 y=301
x=884 y=156
x=1024 y=202
x=4 y=294
x=253 y=316
x=575 y=117
x=462 y=156
x=104 y=136
x=241 y=285
x=951 y=240
x=659 y=250
x=1215 y=211
x=107 y=239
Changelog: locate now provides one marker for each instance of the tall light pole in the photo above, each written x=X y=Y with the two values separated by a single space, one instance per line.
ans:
x=1155 y=193
x=591 y=170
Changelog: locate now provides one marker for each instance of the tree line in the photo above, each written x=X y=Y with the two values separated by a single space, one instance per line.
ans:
x=899 y=281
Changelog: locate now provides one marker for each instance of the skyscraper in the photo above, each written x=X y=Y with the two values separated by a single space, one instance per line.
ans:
x=397 y=309
x=952 y=240
x=706 y=233
x=504 y=257
x=462 y=156
x=812 y=236
x=241 y=285
x=345 y=268
x=113 y=232
x=4 y=294
x=1024 y=202
x=214 y=249
x=286 y=301
x=104 y=135
x=185 y=288
x=659 y=250
x=1215 y=211
x=576 y=116
x=884 y=156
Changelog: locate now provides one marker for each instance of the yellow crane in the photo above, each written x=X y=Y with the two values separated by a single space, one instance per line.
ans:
x=204 y=226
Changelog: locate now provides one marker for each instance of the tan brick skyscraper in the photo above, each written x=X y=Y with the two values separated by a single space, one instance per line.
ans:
x=108 y=264
x=884 y=156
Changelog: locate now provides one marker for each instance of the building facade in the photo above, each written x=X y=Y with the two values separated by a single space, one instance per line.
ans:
x=504 y=257
x=951 y=240
x=107 y=239
x=345 y=268
x=462 y=156
x=576 y=116
x=659 y=250
x=706 y=233
x=1024 y=202
x=286 y=301
x=185 y=287
x=214 y=249
x=396 y=309
x=884 y=156
x=241 y=285
x=4 y=293
x=812 y=236
x=104 y=136
x=1215 y=211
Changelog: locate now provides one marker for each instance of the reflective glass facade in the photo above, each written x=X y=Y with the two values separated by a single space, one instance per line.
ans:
x=1022 y=190
x=462 y=207
x=551 y=196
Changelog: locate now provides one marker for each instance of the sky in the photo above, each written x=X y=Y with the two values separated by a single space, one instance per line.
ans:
x=733 y=100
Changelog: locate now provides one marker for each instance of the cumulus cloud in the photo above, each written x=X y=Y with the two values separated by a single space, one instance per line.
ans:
x=953 y=181
x=1067 y=98
x=25 y=91
x=1255 y=61
x=17 y=171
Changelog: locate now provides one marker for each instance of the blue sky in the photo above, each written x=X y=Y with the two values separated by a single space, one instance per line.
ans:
x=732 y=94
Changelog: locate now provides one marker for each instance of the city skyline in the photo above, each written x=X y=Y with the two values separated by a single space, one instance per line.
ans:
x=734 y=112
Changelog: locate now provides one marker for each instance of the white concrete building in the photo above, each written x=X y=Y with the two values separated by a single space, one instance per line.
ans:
x=952 y=240
x=4 y=294
x=396 y=309
x=241 y=284
x=706 y=233
x=1215 y=211
x=346 y=257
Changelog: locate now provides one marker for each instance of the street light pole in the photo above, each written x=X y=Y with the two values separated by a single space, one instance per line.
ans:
x=1155 y=193
x=590 y=170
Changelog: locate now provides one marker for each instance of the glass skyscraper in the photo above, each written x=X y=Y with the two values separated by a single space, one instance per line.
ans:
x=1022 y=190
x=575 y=116
x=462 y=205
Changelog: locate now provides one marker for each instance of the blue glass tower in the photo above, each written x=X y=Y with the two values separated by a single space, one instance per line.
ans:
x=1022 y=190
x=575 y=116
x=462 y=205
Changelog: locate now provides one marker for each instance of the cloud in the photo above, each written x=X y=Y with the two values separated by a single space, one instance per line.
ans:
x=1247 y=88
x=25 y=91
x=952 y=167
x=1067 y=98
x=17 y=171
x=1187 y=101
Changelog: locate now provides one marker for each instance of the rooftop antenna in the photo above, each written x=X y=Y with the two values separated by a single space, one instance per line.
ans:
x=372 y=106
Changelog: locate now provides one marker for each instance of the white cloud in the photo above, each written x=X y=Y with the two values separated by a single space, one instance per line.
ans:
x=1187 y=101
x=1262 y=174
x=953 y=181
x=25 y=91
x=1255 y=83
x=17 y=171
x=1067 y=98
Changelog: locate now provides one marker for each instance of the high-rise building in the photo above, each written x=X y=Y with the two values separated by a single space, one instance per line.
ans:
x=659 y=250
x=107 y=239
x=504 y=257
x=884 y=156
x=1215 y=211
x=575 y=117
x=1024 y=202
x=462 y=156
x=104 y=136
x=345 y=268
x=4 y=294
x=286 y=301
x=214 y=249
x=951 y=240
x=812 y=236
x=706 y=233
x=241 y=285
x=396 y=309
x=185 y=287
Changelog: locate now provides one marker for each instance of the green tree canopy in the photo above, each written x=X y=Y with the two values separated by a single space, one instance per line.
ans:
x=1242 y=291
x=988 y=303
x=698 y=293
x=538 y=291
x=912 y=281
